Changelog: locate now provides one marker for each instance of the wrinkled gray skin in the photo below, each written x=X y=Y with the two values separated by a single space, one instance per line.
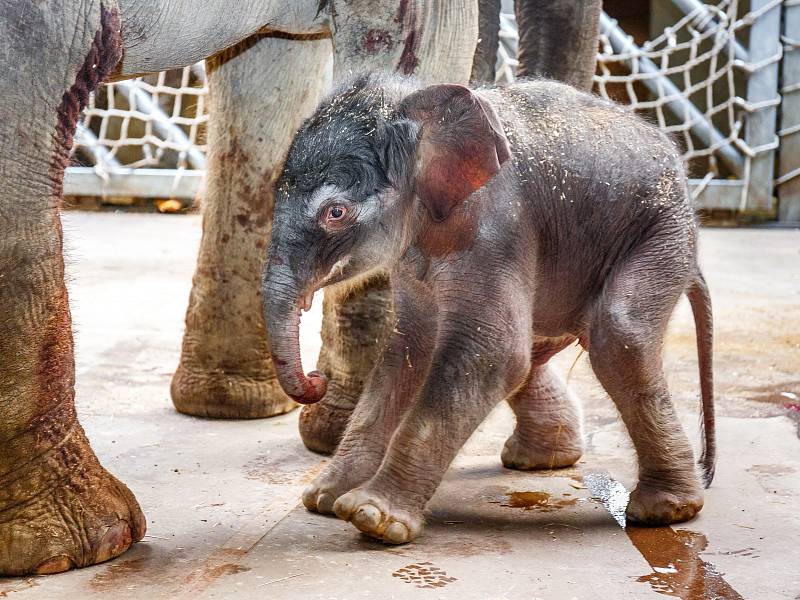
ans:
x=514 y=221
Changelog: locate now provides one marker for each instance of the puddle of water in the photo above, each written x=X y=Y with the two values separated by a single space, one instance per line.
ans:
x=424 y=575
x=781 y=393
x=678 y=570
x=540 y=501
x=674 y=556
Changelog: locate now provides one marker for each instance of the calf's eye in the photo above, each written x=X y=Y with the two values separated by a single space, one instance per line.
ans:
x=336 y=212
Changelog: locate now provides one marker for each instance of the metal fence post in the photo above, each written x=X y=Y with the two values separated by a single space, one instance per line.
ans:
x=762 y=99
x=789 y=153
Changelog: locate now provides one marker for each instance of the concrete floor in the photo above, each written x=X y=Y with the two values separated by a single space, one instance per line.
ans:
x=222 y=497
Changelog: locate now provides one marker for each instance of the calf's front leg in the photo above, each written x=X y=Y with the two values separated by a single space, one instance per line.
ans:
x=470 y=373
x=393 y=382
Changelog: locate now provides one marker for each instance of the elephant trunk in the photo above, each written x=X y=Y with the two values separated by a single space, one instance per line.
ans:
x=282 y=300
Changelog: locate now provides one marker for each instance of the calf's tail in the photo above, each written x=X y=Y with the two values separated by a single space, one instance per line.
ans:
x=700 y=301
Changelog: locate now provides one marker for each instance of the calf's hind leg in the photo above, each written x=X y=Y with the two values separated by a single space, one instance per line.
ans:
x=626 y=337
x=548 y=432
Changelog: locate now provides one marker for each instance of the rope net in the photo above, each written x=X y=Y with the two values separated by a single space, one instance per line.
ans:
x=157 y=121
x=691 y=79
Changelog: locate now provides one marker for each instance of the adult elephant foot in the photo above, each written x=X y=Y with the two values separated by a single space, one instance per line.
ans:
x=63 y=510
x=356 y=323
x=215 y=392
x=225 y=369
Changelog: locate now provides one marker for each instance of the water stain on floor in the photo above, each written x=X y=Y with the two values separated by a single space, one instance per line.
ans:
x=674 y=556
x=769 y=478
x=772 y=469
x=424 y=575
x=540 y=501
x=111 y=577
x=744 y=552
x=282 y=467
x=224 y=569
x=780 y=393
x=17 y=586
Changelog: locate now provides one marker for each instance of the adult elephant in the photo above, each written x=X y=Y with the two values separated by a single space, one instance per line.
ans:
x=557 y=40
x=59 y=508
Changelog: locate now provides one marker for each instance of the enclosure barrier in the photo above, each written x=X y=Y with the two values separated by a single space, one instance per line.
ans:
x=715 y=78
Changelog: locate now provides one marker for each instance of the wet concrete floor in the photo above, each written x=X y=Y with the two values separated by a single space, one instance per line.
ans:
x=222 y=497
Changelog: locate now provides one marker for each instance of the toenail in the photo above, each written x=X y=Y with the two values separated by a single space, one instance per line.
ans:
x=396 y=533
x=309 y=496
x=368 y=516
x=343 y=507
x=140 y=526
x=325 y=503
x=114 y=542
x=54 y=564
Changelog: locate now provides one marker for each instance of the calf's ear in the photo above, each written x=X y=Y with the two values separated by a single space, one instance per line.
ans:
x=460 y=147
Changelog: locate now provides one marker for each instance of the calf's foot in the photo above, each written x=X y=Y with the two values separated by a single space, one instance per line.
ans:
x=564 y=449
x=649 y=505
x=372 y=512
x=63 y=510
x=342 y=475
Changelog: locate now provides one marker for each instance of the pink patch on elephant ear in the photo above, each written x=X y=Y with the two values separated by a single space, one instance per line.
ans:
x=462 y=145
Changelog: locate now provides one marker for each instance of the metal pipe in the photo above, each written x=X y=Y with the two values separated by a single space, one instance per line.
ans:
x=137 y=183
x=86 y=138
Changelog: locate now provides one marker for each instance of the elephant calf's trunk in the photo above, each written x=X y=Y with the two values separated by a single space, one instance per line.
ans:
x=283 y=327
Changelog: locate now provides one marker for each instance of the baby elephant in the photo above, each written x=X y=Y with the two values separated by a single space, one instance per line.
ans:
x=514 y=221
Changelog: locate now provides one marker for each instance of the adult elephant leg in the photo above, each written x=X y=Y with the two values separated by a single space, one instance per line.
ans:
x=483 y=64
x=436 y=42
x=558 y=39
x=59 y=508
x=260 y=90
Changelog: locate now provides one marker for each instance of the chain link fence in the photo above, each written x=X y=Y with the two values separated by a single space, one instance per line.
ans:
x=723 y=78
